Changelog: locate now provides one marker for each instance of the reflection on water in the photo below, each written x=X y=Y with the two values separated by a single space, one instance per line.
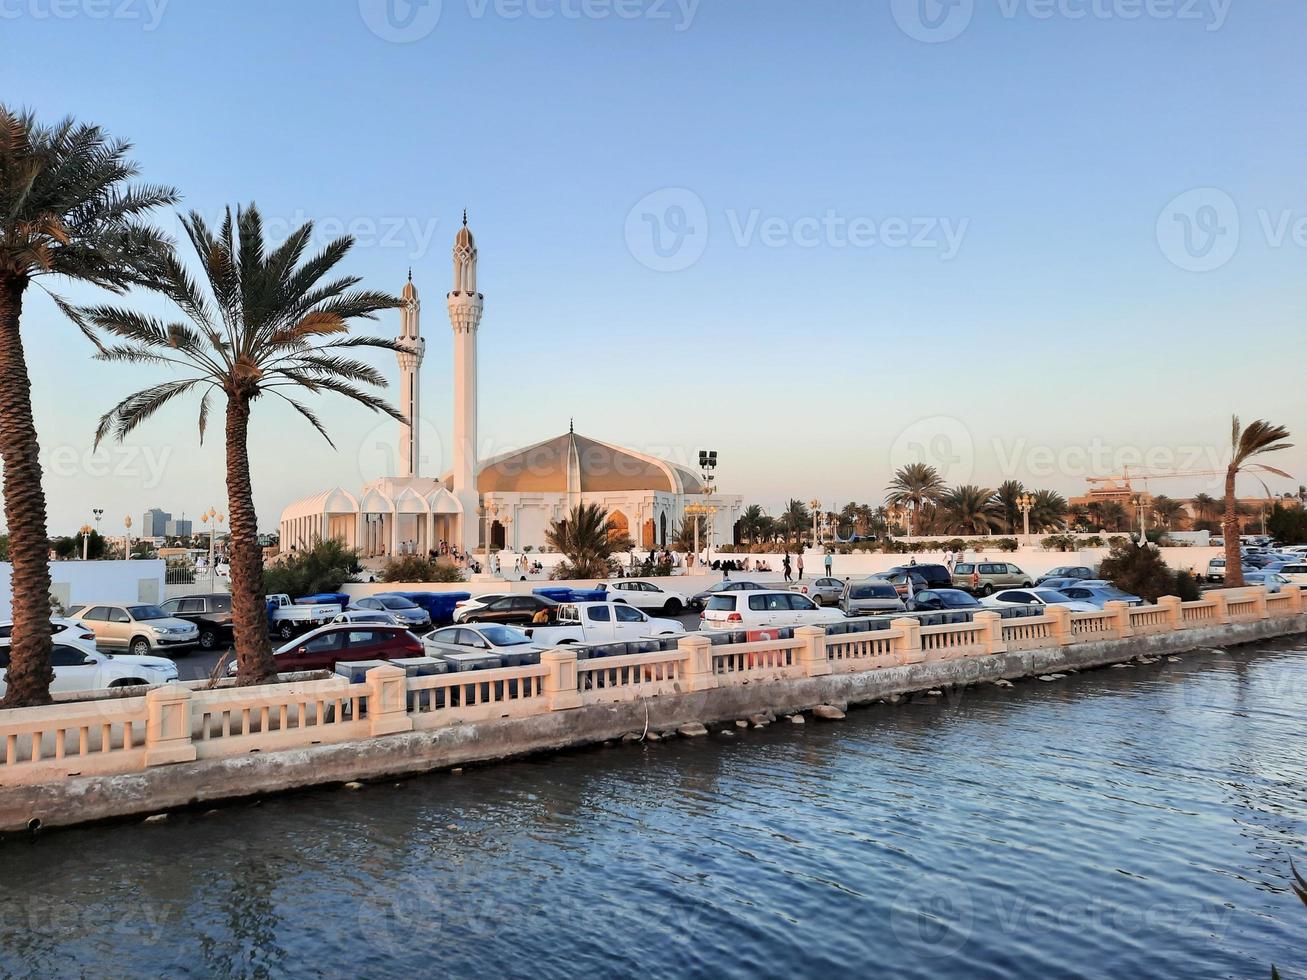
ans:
x=1133 y=822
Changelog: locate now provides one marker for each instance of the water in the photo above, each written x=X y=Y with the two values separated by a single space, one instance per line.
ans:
x=1134 y=822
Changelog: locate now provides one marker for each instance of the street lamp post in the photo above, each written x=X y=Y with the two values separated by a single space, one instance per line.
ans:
x=213 y=519
x=85 y=531
x=814 y=505
x=1026 y=502
x=1143 y=519
x=696 y=511
x=127 y=538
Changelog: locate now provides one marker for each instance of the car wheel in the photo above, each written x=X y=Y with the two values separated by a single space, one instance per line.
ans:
x=140 y=647
x=816 y=599
x=286 y=631
x=986 y=589
x=1027 y=585
x=129 y=682
x=208 y=640
x=673 y=607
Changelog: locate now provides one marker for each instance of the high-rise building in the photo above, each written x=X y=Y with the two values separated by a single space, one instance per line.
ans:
x=154 y=524
x=180 y=528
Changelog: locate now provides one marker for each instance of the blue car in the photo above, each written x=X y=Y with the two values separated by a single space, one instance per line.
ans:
x=1099 y=596
x=1060 y=584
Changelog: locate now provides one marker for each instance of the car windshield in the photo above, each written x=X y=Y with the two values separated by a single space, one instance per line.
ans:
x=395 y=602
x=1050 y=595
x=139 y=613
x=504 y=636
x=957 y=599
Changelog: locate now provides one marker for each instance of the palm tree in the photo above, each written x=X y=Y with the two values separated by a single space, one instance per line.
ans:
x=1260 y=437
x=1167 y=511
x=266 y=322
x=795 y=520
x=971 y=510
x=914 y=485
x=751 y=523
x=848 y=519
x=582 y=538
x=1006 y=497
x=1204 y=506
x=66 y=209
x=1048 y=511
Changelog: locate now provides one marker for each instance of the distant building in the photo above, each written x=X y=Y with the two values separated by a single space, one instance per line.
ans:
x=180 y=528
x=154 y=524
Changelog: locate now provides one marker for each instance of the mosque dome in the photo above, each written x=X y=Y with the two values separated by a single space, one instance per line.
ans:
x=572 y=464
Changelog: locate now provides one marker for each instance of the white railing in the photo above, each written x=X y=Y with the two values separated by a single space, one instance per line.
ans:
x=175 y=723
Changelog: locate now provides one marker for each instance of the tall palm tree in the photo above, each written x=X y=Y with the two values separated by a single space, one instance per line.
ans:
x=751 y=523
x=971 y=510
x=582 y=538
x=1204 y=505
x=914 y=485
x=1258 y=438
x=1006 y=497
x=795 y=520
x=1049 y=511
x=66 y=209
x=263 y=321
x=1166 y=511
x=848 y=519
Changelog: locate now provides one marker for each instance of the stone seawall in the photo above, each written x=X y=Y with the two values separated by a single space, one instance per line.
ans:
x=84 y=798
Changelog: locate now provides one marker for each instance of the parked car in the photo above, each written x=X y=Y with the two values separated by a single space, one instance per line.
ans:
x=1216 y=569
x=79 y=666
x=984 y=577
x=335 y=643
x=823 y=591
x=937 y=600
x=1099 y=596
x=756 y=609
x=61 y=628
x=514 y=610
x=1037 y=597
x=1058 y=583
x=1295 y=573
x=481 y=637
x=1271 y=581
x=646 y=595
x=211 y=613
x=287 y=619
x=863 y=598
x=479 y=602
x=365 y=616
x=600 y=622
x=935 y=576
x=140 y=628
x=699 y=600
x=900 y=582
x=405 y=612
x=1075 y=572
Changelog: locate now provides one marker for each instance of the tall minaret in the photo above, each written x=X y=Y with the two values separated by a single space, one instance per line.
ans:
x=465 y=305
x=410 y=366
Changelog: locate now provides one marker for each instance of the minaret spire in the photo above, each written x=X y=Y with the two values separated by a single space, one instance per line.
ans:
x=410 y=369
x=465 y=307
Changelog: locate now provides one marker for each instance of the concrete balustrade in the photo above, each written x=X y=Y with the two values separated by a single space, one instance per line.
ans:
x=175 y=725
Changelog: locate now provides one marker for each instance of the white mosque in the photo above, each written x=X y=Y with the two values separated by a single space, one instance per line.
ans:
x=508 y=500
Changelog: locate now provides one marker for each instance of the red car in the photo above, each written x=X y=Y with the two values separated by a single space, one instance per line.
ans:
x=327 y=645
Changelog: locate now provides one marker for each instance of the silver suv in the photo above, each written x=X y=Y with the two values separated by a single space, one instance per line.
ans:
x=982 y=578
x=141 y=628
x=864 y=598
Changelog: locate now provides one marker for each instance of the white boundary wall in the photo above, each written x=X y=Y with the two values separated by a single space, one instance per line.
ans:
x=74 y=582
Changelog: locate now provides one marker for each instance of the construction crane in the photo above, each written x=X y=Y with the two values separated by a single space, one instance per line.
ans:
x=1121 y=483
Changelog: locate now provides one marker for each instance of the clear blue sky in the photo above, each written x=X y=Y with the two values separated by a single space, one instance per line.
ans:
x=1062 y=314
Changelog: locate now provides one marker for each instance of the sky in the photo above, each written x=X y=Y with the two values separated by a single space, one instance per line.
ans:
x=1016 y=239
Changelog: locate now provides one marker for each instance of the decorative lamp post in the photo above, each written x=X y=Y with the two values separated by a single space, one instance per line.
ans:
x=85 y=530
x=707 y=468
x=127 y=538
x=696 y=511
x=1026 y=502
x=1143 y=519
x=213 y=519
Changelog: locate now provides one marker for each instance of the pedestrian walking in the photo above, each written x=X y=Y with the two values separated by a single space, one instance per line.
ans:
x=830 y=563
x=785 y=565
x=800 y=566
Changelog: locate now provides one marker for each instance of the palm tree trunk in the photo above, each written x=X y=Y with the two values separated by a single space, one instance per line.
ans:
x=249 y=609
x=1230 y=531
x=29 y=673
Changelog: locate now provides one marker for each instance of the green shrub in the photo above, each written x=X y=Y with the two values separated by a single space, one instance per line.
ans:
x=322 y=568
x=1143 y=572
x=415 y=568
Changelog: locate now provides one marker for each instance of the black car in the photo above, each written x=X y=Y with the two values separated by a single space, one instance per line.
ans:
x=699 y=600
x=937 y=600
x=211 y=613
x=516 y=610
x=935 y=576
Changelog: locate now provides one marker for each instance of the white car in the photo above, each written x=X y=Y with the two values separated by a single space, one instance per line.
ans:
x=462 y=609
x=477 y=638
x=764 y=608
x=61 y=628
x=600 y=622
x=1037 y=597
x=365 y=616
x=646 y=596
x=79 y=666
x=1295 y=573
x=1271 y=581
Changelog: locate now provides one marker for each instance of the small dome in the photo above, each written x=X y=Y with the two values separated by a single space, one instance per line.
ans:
x=464 y=236
x=410 y=291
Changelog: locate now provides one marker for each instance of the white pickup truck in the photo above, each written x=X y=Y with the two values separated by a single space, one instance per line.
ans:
x=600 y=622
x=287 y=620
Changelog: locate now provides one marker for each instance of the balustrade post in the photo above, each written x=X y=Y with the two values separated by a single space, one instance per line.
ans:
x=560 y=684
x=907 y=646
x=991 y=635
x=1121 y=613
x=697 y=664
x=1294 y=592
x=1259 y=599
x=168 y=725
x=1222 y=611
x=813 y=652
x=1172 y=606
x=388 y=700
x=1060 y=628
